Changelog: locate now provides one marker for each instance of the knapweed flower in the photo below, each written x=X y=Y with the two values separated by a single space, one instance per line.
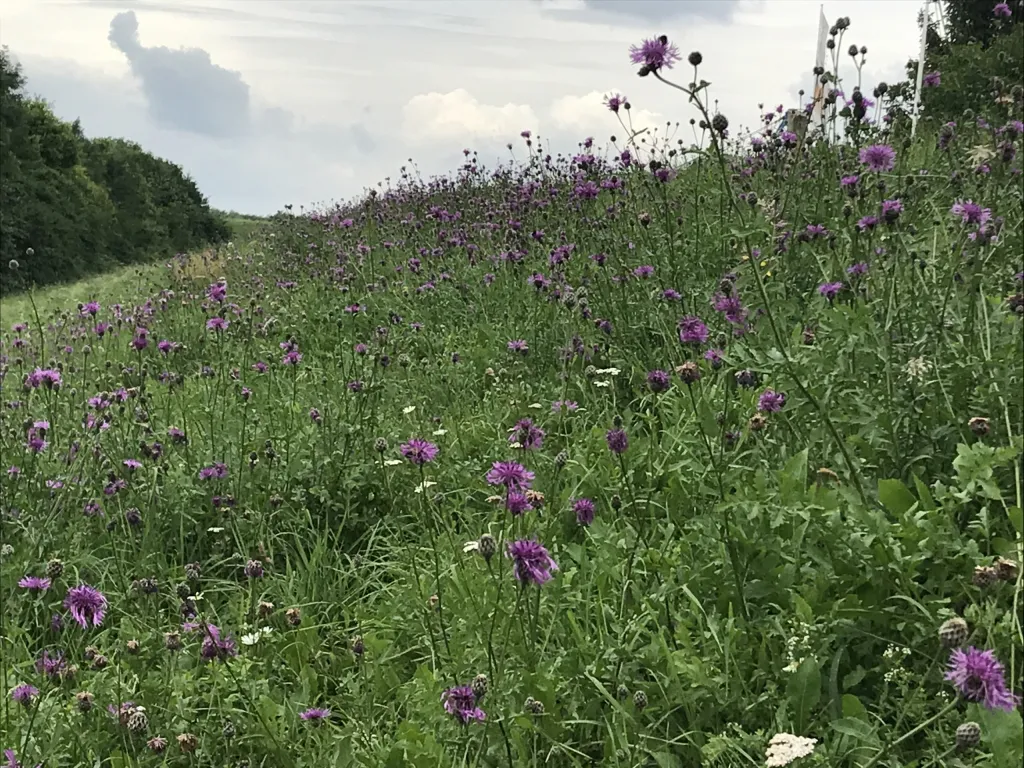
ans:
x=971 y=212
x=584 y=509
x=419 y=452
x=618 y=440
x=519 y=346
x=217 y=646
x=692 y=330
x=654 y=54
x=218 y=470
x=510 y=474
x=559 y=405
x=830 y=290
x=658 y=381
x=315 y=715
x=217 y=324
x=1002 y=11
x=878 y=157
x=932 y=79
x=866 y=223
x=615 y=102
x=858 y=269
x=771 y=401
x=891 y=210
x=518 y=503
x=35 y=583
x=978 y=675
x=86 y=604
x=24 y=694
x=526 y=435
x=531 y=562
x=460 y=703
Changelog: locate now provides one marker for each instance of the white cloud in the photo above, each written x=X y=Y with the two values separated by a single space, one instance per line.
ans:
x=587 y=115
x=459 y=116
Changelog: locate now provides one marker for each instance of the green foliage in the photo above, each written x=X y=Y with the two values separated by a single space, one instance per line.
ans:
x=70 y=206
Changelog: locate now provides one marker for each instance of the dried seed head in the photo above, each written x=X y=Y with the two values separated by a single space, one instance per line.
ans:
x=380 y=445
x=172 y=641
x=979 y=425
x=689 y=372
x=84 y=701
x=640 y=701
x=133 y=647
x=358 y=646
x=984 y=576
x=265 y=609
x=1007 y=570
x=293 y=616
x=138 y=722
x=533 y=707
x=157 y=744
x=193 y=571
x=187 y=742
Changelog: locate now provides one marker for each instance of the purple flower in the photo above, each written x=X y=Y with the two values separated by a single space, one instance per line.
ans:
x=654 y=54
x=932 y=79
x=644 y=271
x=858 y=269
x=867 y=222
x=217 y=324
x=569 y=405
x=692 y=330
x=419 y=452
x=971 y=212
x=218 y=470
x=771 y=401
x=216 y=646
x=315 y=715
x=714 y=357
x=979 y=677
x=531 y=562
x=878 y=157
x=86 y=604
x=618 y=440
x=584 y=509
x=731 y=307
x=460 y=703
x=24 y=694
x=35 y=583
x=510 y=474
x=1002 y=11
x=614 y=102
x=517 y=503
x=891 y=210
x=671 y=294
x=518 y=345
x=830 y=290
x=132 y=464
x=658 y=381
x=528 y=435
x=51 y=665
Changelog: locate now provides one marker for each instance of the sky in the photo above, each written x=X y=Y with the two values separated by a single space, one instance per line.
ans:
x=305 y=102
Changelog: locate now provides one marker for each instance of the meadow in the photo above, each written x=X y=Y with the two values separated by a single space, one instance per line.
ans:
x=664 y=453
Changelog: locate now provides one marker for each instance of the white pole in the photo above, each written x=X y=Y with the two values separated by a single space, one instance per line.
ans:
x=920 y=70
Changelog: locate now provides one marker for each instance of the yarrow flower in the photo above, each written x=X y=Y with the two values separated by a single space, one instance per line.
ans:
x=460 y=703
x=531 y=562
x=86 y=604
x=784 y=748
x=978 y=675
x=878 y=157
x=654 y=54
x=418 y=451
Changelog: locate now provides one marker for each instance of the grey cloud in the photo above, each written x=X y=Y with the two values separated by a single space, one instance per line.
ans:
x=654 y=11
x=361 y=139
x=184 y=89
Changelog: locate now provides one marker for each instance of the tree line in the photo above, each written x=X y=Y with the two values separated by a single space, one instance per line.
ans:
x=72 y=206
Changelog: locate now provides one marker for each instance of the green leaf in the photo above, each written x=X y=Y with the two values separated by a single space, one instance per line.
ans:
x=804 y=692
x=927 y=502
x=803 y=609
x=895 y=496
x=852 y=707
x=1017 y=518
x=854 y=728
x=793 y=478
x=1004 y=733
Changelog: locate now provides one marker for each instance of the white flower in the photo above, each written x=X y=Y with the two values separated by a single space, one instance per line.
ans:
x=792 y=666
x=471 y=546
x=917 y=367
x=424 y=485
x=408 y=409
x=254 y=637
x=440 y=432
x=215 y=529
x=784 y=748
x=534 y=405
x=392 y=462
x=608 y=371
x=602 y=384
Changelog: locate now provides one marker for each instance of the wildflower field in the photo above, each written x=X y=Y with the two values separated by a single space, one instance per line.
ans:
x=668 y=453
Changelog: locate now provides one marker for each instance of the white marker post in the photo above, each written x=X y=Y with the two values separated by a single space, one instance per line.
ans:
x=920 y=70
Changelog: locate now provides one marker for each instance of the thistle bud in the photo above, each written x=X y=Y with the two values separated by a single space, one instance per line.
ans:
x=953 y=632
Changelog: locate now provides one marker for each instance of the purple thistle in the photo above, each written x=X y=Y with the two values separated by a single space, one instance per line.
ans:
x=867 y=223
x=1002 y=11
x=878 y=157
x=528 y=435
x=517 y=503
x=510 y=474
x=618 y=440
x=932 y=79
x=692 y=330
x=86 y=605
x=714 y=357
x=217 y=324
x=830 y=290
x=978 y=675
x=518 y=345
x=771 y=401
x=460 y=703
x=24 y=694
x=615 y=102
x=971 y=212
x=216 y=646
x=531 y=561
x=315 y=715
x=658 y=381
x=35 y=583
x=419 y=452
x=654 y=54
x=584 y=509
x=858 y=269
x=51 y=665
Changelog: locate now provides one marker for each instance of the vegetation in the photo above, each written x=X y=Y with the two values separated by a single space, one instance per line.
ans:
x=607 y=459
x=71 y=206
